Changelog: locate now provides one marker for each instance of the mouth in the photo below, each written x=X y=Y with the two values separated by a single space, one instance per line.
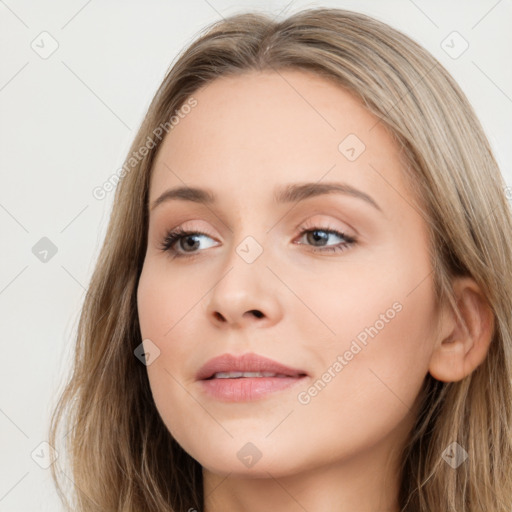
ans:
x=229 y=366
x=249 y=377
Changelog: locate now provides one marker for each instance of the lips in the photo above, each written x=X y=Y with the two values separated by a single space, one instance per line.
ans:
x=247 y=378
x=250 y=363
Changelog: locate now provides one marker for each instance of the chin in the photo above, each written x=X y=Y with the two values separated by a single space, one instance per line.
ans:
x=247 y=461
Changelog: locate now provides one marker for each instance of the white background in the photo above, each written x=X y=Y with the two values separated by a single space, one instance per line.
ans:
x=66 y=123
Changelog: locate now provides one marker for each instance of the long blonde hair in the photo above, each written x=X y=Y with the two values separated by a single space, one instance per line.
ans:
x=122 y=457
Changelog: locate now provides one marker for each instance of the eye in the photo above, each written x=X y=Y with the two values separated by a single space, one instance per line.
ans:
x=319 y=236
x=185 y=240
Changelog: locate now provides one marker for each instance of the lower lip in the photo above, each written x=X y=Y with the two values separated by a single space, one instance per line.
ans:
x=245 y=389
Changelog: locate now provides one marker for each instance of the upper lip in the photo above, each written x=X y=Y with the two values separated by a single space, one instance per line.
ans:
x=246 y=363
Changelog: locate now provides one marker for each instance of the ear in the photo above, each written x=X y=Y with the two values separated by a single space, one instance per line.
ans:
x=463 y=342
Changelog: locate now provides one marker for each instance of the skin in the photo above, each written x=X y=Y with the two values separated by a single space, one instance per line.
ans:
x=248 y=135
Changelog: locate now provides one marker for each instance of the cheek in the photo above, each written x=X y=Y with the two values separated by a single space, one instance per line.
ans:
x=163 y=299
x=382 y=362
x=365 y=390
x=164 y=304
x=374 y=367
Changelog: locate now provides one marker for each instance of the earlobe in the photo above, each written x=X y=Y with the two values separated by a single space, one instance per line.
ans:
x=463 y=341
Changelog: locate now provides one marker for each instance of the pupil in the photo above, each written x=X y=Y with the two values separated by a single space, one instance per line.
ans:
x=316 y=237
x=194 y=241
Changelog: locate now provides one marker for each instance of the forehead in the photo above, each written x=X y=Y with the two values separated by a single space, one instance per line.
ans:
x=251 y=132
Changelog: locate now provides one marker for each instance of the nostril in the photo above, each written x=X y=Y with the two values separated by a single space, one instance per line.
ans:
x=258 y=314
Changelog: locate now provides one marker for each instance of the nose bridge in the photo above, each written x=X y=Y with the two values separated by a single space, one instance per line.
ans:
x=249 y=243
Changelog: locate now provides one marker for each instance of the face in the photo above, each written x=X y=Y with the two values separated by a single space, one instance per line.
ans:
x=333 y=282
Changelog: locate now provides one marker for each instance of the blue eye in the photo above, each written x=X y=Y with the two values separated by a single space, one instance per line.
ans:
x=185 y=240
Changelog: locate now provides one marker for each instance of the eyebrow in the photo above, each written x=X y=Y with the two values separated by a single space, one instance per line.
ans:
x=292 y=192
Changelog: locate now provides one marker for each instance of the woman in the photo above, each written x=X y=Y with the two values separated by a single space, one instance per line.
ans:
x=302 y=301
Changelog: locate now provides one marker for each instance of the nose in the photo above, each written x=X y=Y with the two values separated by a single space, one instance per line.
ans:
x=247 y=295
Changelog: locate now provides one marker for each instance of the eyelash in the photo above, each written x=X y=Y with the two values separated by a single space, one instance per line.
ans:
x=172 y=237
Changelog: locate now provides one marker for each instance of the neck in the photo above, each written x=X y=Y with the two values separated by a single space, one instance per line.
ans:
x=367 y=482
